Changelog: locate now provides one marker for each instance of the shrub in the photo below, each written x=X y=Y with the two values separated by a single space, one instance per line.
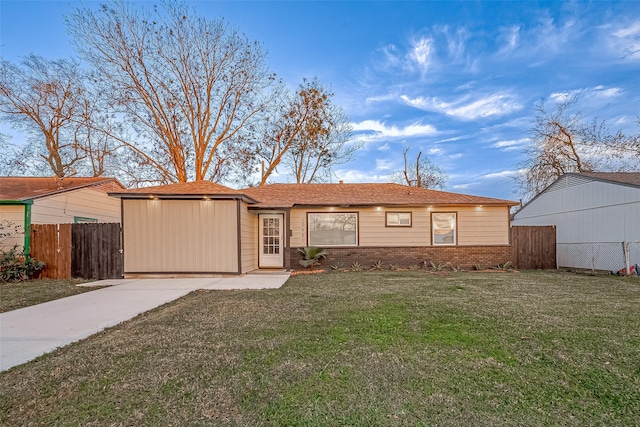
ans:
x=312 y=256
x=378 y=265
x=356 y=266
x=337 y=266
x=14 y=266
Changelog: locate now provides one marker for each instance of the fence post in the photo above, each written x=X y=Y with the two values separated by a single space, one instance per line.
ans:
x=625 y=248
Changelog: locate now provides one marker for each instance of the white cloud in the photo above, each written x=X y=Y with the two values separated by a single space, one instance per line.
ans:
x=421 y=53
x=481 y=180
x=456 y=41
x=452 y=139
x=610 y=92
x=559 y=97
x=381 y=98
x=496 y=104
x=594 y=93
x=385 y=147
x=373 y=130
x=354 y=176
x=510 y=38
x=434 y=151
x=461 y=186
x=501 y=174
x=512 y=144
x=384 y=164
x=628 y=38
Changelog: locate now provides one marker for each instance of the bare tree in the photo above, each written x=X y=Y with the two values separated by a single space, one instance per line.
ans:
x=188 y=87
x=49 y=101
x=420 y=173
x=561 y=142
x=308 y=135
x=317 y=134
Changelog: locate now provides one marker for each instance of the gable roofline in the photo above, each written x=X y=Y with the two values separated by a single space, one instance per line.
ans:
x=606 y=177
x=44 y=186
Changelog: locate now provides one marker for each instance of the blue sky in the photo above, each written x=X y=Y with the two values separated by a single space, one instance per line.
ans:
x=457 y=80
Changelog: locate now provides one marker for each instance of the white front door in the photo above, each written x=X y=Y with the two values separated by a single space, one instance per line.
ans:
x=271 y=242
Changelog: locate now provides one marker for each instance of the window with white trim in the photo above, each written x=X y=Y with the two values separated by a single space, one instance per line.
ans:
x=398 y=219
x=443 y=228
x=332 y=229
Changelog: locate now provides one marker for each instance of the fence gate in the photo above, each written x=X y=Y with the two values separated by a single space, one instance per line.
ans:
x=96 y=251
x=533 y=247
x=51 y=243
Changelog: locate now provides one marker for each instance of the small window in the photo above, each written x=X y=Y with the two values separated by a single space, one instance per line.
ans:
x=84 y=220
x=443 y=228
x=398 y=219
x=332 y=229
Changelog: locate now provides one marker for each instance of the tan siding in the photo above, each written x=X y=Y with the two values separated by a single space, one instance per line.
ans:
x=88 y=203
x=13 y=215
x=483 y=226
x=476 y=226
x=249 y=239
x=180 y=236
x=371 y=227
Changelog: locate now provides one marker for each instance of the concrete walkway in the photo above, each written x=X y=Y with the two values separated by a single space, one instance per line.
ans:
x=33 y=331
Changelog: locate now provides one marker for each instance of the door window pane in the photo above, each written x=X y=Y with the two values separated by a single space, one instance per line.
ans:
x=270 y=236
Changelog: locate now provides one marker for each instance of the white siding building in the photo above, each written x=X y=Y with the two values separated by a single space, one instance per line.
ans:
x=594 y=214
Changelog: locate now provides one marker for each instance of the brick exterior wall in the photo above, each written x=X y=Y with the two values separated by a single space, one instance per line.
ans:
x=463 y=256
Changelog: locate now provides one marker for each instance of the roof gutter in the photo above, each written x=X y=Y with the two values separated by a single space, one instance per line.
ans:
x=143 y=196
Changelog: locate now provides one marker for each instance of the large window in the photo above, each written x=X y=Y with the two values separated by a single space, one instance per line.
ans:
x=398 y=219
x=443 y=228
x=333 y=229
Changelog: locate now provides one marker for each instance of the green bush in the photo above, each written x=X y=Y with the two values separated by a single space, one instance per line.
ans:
x=312 y=256
x=14 y=266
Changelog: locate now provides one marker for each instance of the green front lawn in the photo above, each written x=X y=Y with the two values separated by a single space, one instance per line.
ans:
x=32 y=292
x=373 y=348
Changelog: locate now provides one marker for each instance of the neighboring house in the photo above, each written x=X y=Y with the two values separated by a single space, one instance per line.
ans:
x=29 y=200
x=202 y=227
x=594 y=213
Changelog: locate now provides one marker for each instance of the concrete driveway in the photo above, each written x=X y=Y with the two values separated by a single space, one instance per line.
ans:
x=32 y=331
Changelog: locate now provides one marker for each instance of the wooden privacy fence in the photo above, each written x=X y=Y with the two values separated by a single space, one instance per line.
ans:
x=533 y=247
x=51 y=243
x=88 y=251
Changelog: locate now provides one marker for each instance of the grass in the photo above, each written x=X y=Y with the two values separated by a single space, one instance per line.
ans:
x=31 y=292
x=373 y=348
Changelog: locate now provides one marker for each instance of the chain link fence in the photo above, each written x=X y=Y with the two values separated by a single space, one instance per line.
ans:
x=601 y=256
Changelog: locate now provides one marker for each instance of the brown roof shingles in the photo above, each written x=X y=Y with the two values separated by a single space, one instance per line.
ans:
x=289 y=195
x=185 y=190
x=195 y=188
x=25 y=188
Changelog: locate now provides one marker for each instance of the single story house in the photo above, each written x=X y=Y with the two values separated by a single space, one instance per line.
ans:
x=52 y=200
x=594 y=213
x=206 y=228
